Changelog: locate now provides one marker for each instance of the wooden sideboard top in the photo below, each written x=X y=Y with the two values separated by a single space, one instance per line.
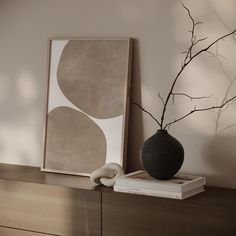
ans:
x=34 y=175
x=212 y=196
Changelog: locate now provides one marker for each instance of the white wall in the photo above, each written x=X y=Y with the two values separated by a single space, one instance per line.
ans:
x=161 y=32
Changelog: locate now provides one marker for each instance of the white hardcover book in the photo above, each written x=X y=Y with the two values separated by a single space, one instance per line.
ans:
x=157 y=193
x=179 y=183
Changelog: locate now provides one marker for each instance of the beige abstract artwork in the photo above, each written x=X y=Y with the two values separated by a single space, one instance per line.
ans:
x=87 y=104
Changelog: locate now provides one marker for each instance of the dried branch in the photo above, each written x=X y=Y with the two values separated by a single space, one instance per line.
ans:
x=193 y=38
x=213 y=43
x=200 y=40
x=190 y=97
x=189 y=57
x=161 y=98
x=143 y=109
x=201 y=109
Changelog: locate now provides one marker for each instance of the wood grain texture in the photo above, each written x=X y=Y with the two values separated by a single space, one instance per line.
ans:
x=70 y=205
x=34 y=175
x=4 y=231
x=209 y=213
x=49 y=209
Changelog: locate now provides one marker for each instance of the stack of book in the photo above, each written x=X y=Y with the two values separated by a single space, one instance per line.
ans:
x=181 y=186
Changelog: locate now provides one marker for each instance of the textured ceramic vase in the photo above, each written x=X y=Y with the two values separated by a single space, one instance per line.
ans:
x=162 y=155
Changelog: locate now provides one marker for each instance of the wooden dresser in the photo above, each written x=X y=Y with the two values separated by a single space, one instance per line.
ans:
x=34 y=203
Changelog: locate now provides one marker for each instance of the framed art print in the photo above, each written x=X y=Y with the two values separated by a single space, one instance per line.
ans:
x=87 y=104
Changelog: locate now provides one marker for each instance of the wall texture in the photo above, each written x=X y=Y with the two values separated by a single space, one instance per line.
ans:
x=161 y=32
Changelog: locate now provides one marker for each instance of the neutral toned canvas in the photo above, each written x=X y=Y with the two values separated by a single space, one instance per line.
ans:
x=92 y=75
x=87 y=104
x=74 y=142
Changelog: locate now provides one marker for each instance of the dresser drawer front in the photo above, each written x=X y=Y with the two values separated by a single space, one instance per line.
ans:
x=49 y=209
x=134 y=215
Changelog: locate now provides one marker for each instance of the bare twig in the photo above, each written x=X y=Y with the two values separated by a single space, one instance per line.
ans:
x=193 y=39
x=200 y=109
x=214 y=42
x=161 y=98
x=189 y=57
x=200 y=40
x=143 y=109
x=190 y=97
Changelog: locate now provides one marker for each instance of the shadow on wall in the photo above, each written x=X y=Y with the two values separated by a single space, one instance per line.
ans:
x=210 y=148
x=219 y=156
x=20 y=117
x=21 y=87
x=22 y=83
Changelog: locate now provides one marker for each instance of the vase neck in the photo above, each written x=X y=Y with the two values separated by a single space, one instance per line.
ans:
x=163 y=131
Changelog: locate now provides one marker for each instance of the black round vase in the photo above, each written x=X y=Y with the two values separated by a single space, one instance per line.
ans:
x=162 y=155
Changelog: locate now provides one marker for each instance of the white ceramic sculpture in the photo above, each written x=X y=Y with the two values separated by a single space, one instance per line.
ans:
x=107 y=174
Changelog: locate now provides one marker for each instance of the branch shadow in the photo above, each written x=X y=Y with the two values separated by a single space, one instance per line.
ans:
x=219 y=155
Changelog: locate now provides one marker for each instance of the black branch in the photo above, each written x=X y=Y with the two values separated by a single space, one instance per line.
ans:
x=149 y=113
x=200 y=109
x=188 y=59
x=190 y=97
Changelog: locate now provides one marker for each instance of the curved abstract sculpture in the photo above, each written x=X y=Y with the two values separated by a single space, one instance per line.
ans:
x=107 y=175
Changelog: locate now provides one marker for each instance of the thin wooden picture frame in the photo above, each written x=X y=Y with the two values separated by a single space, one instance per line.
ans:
x=125 y=112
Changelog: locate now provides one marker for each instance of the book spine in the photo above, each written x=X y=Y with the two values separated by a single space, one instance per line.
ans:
x=201 y=181
x=147 y=192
